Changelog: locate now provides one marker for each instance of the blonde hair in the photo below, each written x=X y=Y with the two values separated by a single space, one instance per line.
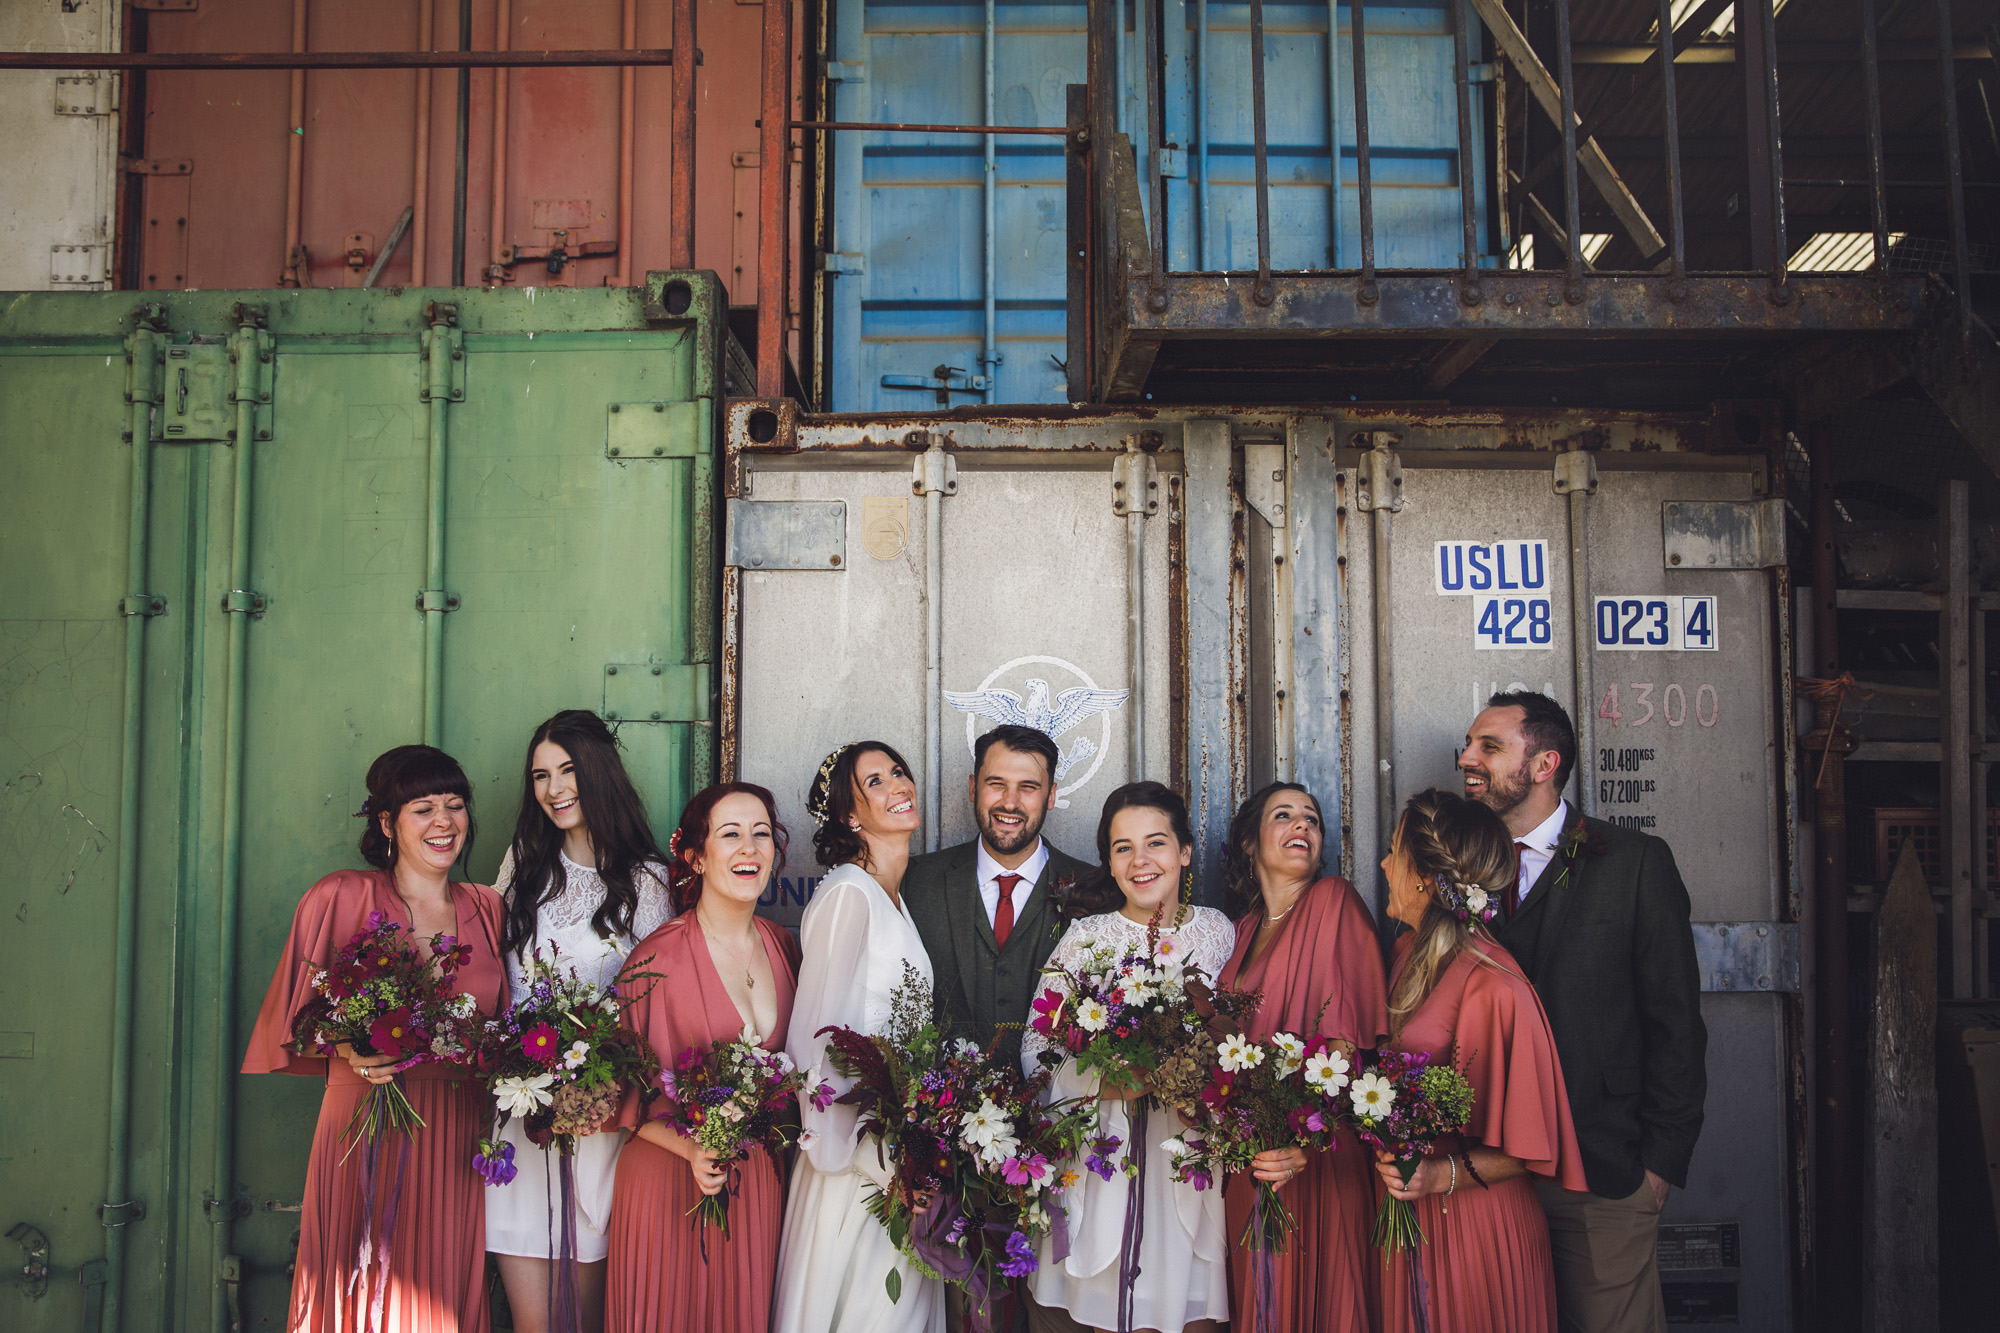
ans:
x=1448 y=837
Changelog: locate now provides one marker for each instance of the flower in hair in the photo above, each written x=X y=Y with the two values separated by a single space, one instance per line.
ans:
x=1467 y=902
x=819 y=797
x=674 y=842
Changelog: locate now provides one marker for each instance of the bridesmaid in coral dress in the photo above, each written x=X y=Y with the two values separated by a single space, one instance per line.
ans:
x=419 y=814
x=1308 y=944
x=721 y=969
x=1457 y=995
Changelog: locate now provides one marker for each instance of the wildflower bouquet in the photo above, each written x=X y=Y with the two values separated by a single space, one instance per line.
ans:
x=561 y=1061
x=1403 y=1104
x=975 y=1155
x=386 y=995
x=1117 y=1008
x=731 y=1098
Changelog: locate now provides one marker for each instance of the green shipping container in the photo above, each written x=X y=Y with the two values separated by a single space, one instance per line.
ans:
x=352 y=519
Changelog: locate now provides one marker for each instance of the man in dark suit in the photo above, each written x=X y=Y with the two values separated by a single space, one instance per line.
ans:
x=984 y=907
x=986 y=913
x=1599 y=923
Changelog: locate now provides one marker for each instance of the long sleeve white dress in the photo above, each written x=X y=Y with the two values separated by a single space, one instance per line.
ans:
x=521 y=1217
x=1183 y=1249
x=834 y=1257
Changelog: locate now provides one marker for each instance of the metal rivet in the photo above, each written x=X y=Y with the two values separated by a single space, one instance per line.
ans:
x=657 y=670
x=611 y=671
x=1674 y=559
x=656 y=715
x=614 y=451
x=610 y=717
x=658 y=452
x=833 y=560
x=614 y=407
x=659 y=407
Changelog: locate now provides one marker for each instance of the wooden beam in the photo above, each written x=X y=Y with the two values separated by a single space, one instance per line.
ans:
x=1514 y=44
x=1899 y=1272
x=1457 y=358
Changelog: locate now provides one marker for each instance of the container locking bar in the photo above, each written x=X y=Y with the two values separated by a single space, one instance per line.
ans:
x=142 y=604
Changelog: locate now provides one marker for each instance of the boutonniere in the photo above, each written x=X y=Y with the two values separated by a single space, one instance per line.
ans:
x=1062 y=904
x=1574 y=844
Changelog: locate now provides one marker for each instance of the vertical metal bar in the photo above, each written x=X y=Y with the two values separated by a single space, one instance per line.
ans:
x=1135 y=632
x=774 y=198
x=681 y=147
x=1263 y=293
x=1954 y=165
x=1962 y=832
x=1878 y=196
x=1156 y=183
x=247 y=350
x=1076 y=234
x=1333 y=133
x=461 y=149
x=628 y=86
x=935 y=468
x=145 y=349
x=1671 y=116
x=989 y=352
x=1981 y=928
x=1363 y=176
x=1206 y=261
x=1380 y=573
x=1119 y=61
x=1572 y=207
x=497 y=208
x=1468 y=217
x=420 y=174
x=438 y=352
x=292 y=273
x=1780 y=251
x=1583 y=646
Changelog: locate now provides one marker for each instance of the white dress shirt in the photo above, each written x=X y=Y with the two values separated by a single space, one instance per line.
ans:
x=990 y=871
x=1542 y=842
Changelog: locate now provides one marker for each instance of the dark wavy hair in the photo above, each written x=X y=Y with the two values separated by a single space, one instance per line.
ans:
x=613 y=813
x=1021 y=740
x=1098 y=891
x=683 y=880
x=1545 y=725
x=1241 y=892
x=399 y=776
x=833 y=842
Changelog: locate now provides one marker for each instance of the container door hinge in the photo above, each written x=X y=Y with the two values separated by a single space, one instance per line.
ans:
x=1135 y=482
x=231 y=1277
x=142 y=604
x=1379 y=477
x=241 y=601
x=786 y=534
x=34 y=1281
x=445 y=339
x=118 y=1214
x=79 y=265
x=1747 y=955
x=1264 y=481
x=225 y=1210
x=641 y=432
x=436 y=599
x=93 y=94
x=1576 y=473
x=837 y=262
x=253 y=340
x=1723 y=534
x=1173 y=163
x=656 y=692
x=847 y=71
x=934 y=470
x=93 y=1275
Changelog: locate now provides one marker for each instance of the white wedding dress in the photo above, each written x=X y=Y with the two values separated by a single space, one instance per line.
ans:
x=521 y=1216
x=834 y=1257
x=1183 y=1248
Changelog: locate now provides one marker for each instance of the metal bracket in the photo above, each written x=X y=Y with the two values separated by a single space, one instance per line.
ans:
x=944 y=381
x=1135 y=482
x=35 y=1272
x=86 y=94
x=226 y=1210
x=1747 y=955
x=787 y=534
x=934 y=470
x=1576 y=473
x=1379 y=475
x=252 y=339
x=836 y=262
x=847 y=71
x=142 y=604
x=241 y=601
x=1173 y=163
x=230 y=1275
x=444 y=340
x=436 y=599
x=118 y=1214
x=1723 y=534
x=79 y=265
x=641 y=432
x=93 y=1275
x=656 y=692
x=200 y=394
x=1264 y=481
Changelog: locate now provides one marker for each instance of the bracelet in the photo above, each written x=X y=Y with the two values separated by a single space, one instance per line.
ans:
x=1454 y=1175
x=1467 y=1154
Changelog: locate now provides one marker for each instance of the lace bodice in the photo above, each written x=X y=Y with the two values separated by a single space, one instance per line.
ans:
x=564 y=921
x=1207 y=938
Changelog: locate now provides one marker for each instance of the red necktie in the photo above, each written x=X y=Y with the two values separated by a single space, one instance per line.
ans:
x=1003 y=915
x=1520 y=868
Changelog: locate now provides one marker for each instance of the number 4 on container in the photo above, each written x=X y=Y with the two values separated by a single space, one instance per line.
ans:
x=1657 y=624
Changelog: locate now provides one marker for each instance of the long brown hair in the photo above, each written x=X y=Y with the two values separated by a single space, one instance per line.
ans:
x=1242 y=892
x=1448 y=837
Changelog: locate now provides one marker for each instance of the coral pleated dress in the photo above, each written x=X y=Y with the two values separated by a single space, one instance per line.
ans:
x=1486 y=1261
x=436 y=1275
x=660 y=1280
x=1322 y=974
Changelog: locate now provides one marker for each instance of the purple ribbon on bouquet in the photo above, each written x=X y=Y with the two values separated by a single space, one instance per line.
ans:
x=1420 y=1302
x=374 y=1252
x=1135 y=1218
x=1263 y=1266
x=565 y=1311
x=951 y=1262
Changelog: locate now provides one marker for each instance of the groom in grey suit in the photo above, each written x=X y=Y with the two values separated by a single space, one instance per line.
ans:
x=984 y=907
x=985 y=911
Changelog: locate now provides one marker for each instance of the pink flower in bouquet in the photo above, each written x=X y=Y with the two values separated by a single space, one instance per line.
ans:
x=1020 y=1171
x=394 y=1035
x=539 y=1043
x=1047 y=1006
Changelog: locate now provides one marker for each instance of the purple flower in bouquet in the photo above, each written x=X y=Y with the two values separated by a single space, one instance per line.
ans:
x=1020 y=1257
x=495 y=1163
x=1099 y=1157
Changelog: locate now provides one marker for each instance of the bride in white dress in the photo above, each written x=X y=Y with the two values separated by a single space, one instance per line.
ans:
x=1143 y=840
x=857 y=941
x=584 y=882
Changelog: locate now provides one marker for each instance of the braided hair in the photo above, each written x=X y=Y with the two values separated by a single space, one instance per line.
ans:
x=1450 y=841
x=830 y=801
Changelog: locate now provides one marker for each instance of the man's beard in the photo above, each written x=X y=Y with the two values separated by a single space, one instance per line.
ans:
x=1503 y=792
x=1031 y=828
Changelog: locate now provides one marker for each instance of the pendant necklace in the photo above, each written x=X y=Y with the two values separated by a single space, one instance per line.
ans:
x=749 y=982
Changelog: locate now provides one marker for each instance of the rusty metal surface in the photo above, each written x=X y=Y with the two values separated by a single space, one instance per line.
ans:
x=773 y=195
x=223 y=60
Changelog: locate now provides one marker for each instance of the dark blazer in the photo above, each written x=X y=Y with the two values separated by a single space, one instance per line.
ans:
x=977 y=985
x=1609 y=949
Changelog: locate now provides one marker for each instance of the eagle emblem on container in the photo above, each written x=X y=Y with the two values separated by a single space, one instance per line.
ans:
x=1041 y=707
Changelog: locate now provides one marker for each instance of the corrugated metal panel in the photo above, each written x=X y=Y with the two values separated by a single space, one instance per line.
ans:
x=563 y=561
x=58 y=151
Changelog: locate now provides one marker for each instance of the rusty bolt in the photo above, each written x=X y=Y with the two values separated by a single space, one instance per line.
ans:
x=833 y=560
x=1674 y=559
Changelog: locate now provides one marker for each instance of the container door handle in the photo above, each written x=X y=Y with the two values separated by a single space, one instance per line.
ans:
x=181 y=403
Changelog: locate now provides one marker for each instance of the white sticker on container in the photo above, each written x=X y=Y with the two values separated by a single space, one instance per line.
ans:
x=1465 y=569
x=1513 y=622
x=1657 y=624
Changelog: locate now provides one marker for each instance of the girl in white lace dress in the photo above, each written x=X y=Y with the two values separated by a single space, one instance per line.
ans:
x=1144 y=845
x=584 y=882
x=858 y=944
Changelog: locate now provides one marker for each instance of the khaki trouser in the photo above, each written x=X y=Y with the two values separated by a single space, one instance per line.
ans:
x=1606 y=1260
